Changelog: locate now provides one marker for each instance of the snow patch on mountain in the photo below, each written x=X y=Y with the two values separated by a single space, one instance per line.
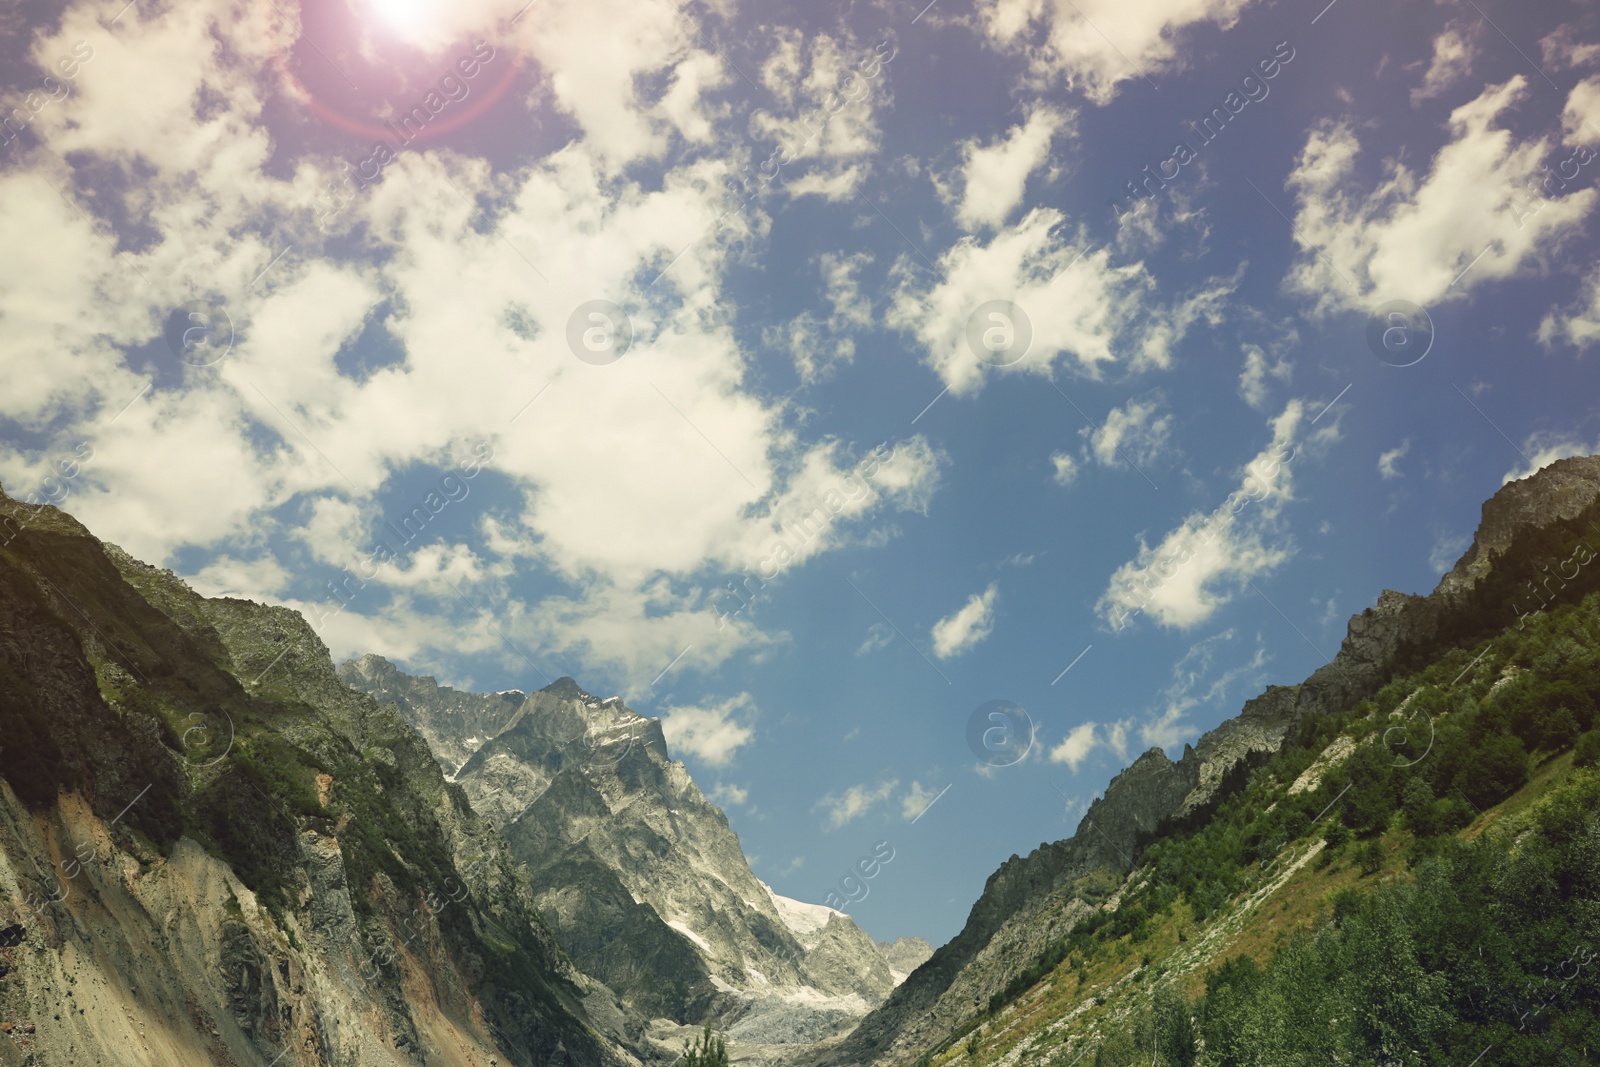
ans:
x=801 y=918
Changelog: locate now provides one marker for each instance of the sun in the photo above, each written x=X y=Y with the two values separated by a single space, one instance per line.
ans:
x=402 y=14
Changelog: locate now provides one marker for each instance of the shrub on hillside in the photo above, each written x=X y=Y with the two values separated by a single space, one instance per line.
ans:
x=1588 y=752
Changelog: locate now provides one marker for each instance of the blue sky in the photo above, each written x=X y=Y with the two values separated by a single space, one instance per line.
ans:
x=253 y=321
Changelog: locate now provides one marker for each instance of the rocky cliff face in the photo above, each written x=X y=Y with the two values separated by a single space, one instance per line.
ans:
x=1030 y=901
x=904 y=955
x=453 y=724
x=1560 y=491
x=639 y=875
x=212 y=852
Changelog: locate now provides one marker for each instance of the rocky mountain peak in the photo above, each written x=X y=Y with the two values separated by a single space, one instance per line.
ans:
x=641 y=878
x=568 y=689
x=1558 y=491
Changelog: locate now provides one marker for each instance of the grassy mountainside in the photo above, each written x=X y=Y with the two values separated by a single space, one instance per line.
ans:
x=1414 y=879
x=260 y=864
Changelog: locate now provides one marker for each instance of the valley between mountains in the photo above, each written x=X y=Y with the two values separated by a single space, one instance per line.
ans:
x=217 y=847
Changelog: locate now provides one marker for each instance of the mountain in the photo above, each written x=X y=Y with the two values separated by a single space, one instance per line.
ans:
x=453 y=724
x=638 y=874
x=213 y=852
x=1031 y=906
x=904 y=955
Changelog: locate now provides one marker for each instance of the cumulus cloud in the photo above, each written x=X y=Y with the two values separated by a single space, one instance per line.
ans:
x=1133 y=432
x=729 y=795
x=1454 y=51
x=452 y=263
x=1082 y=740
x=970 y=624
x=1258 y=367
x=1065 y=468
x=1076 y=746
x=854 y=802
x=1084 y=312
x=994 y=176
x=917 y=800
x=643 y=40
x=821 y=139
x=1543 y=449
x=1389 y=462
x=1563 y=50
x=820 y=344
x=1474 y=217
x=1578 y=324
x=1199 y=565
x=1095 y=46
x=226 y=576
x=712 y=733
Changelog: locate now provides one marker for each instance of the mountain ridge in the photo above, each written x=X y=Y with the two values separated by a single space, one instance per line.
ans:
x=1008 y=916
x=648 y=886
x=238 y=859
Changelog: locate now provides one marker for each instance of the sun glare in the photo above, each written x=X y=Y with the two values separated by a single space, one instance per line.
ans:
x=401 y=13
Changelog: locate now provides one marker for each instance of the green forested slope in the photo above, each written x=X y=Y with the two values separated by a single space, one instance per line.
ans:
x=1427 y=892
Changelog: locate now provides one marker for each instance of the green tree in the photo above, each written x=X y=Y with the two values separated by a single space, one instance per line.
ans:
x=1498 y=768
x=1558 y=730
x=1423 y=814
x=707 y=1051
x=1588 y=753
x=1174 y=1030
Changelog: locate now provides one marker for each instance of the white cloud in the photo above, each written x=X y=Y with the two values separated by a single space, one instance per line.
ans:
x=816 y=349
x=1563 y=51
x=1076 y=746
x=1454 y=51
x=1412 y=236
x=1389 y=462
x=229 y=577
x=727 y=795
x=1446 y=550
x=1094 y=46
x=1258 y=367
x=1117 y=738
x=879 y=635
x=822 y=344
x=1193 y=685
x=1066 y=468
x=1543 y=449
x=916 y=800
x=597 y=56
x=970 y=624
x=1197 y=567
x=829 y=91
x=1084 y=311
x=841 y=274
x=712 y=733
x=1577 y=325
x=854 y=802
x=994 y=177
x=640 y=523
x=1133 y=432
x=1580 y=121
